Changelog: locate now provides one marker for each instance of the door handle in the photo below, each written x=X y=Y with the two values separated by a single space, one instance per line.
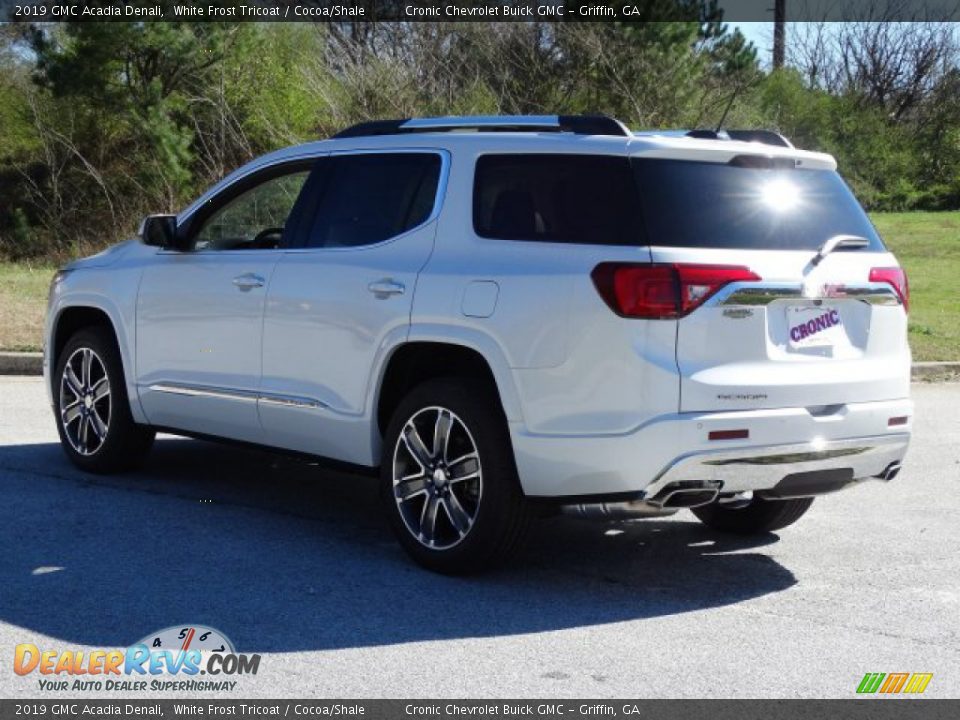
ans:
x=248 y=281
x=386 y=287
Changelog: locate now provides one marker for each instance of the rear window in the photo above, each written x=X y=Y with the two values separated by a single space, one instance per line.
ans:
x=701 y=204
x=366 y=198
x=588 y=199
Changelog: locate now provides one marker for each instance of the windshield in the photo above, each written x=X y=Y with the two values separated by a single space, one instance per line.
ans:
x=702 y=204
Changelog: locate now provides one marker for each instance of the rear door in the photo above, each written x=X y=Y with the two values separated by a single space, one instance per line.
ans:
x=341 y=295
x=805 y=331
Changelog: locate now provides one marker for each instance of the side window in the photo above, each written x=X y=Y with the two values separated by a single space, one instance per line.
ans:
x=369 y=198
x=255 y=218
x=589 y=199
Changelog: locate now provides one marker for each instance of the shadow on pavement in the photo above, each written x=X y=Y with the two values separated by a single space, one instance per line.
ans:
x=284 y=557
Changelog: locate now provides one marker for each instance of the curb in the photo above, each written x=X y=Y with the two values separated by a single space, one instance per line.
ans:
x=31 y=363
x=21 y=363
x=935 y=371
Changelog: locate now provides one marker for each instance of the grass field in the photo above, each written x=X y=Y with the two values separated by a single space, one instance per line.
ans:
x=23 y=301
x=927 y=245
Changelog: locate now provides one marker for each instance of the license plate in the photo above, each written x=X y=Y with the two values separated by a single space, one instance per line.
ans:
x=813 y=325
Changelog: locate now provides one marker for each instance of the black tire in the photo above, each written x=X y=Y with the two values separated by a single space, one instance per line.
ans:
x=760 y=516
x=124 y=444
x=500 y=513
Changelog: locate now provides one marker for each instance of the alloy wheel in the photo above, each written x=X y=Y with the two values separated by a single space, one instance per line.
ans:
x=437 y=481
x=85 y=403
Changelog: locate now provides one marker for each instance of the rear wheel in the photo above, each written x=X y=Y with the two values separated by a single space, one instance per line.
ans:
x=759 y=516
x=448 y=479
x=97 y=431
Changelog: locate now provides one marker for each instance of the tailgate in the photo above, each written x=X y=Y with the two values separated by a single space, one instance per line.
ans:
x=816 y=316
x=832 y=338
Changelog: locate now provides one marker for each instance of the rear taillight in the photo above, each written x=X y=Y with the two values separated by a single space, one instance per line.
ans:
x=661 y=291
x=894 y=276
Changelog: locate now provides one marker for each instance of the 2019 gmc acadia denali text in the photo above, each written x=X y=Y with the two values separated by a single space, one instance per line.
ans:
x=500 y=310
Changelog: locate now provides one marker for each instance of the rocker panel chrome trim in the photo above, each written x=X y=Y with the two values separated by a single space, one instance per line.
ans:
x=291 y=401
x=239 y=395
x=202 y=391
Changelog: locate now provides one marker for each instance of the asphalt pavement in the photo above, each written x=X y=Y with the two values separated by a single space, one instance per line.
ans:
x=296 y=563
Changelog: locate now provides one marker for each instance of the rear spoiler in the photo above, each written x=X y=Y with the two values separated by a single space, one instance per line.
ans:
x=766 y=137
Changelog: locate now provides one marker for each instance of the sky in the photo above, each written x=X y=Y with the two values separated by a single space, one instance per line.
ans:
x=761 y=35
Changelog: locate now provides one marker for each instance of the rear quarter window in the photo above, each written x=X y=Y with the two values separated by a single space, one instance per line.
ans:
x=360 y=199
x=746 y=206
x=589 y=199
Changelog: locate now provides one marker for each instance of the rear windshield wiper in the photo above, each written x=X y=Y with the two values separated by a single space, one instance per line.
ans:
x=837 y=242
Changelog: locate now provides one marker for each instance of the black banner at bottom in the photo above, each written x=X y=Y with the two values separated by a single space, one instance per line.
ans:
x=874 y=709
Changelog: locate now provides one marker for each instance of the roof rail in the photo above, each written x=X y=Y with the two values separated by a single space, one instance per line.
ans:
x=578 y=124
x=767 y=137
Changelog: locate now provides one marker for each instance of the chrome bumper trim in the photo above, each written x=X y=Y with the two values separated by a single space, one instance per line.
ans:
x=762 y=468
x=766 y=293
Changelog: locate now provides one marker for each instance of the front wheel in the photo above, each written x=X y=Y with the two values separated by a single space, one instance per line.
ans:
x=448 y=479
x=97 y=431
x=759 y=516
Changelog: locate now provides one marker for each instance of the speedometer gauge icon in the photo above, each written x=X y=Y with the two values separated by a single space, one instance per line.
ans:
x=189 y=637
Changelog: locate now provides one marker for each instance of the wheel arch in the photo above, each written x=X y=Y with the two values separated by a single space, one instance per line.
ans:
x=72 y=318
x=432 y=353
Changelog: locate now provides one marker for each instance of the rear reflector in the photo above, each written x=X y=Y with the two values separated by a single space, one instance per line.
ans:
x=894 y=421
x=728 y=435
x=898 y=278
x=662 y=291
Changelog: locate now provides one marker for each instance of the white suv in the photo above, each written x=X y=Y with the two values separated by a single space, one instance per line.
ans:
x=506 y=313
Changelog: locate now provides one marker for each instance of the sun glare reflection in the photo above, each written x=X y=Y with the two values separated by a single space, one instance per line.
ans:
x=780 y=195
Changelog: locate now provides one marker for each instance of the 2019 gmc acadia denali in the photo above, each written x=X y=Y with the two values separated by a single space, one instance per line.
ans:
x=503 y=310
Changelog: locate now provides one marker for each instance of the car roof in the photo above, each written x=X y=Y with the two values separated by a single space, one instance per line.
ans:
x=668 y=145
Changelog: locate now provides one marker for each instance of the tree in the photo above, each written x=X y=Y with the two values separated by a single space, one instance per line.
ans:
x=141 y=76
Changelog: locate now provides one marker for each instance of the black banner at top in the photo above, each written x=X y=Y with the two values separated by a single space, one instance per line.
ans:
x=471 y=10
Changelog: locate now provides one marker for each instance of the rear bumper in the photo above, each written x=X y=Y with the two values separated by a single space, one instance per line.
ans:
x=854 y=440
x=794 y=470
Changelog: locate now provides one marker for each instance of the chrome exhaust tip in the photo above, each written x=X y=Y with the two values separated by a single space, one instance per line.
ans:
x=681 y=494
x=736 y=501
x=891 y=471
x=687 y=494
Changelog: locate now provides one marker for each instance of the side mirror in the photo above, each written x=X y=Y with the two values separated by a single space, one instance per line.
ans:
x=160 y=231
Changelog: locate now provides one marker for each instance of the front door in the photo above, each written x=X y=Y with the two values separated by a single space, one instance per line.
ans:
x=200 y=312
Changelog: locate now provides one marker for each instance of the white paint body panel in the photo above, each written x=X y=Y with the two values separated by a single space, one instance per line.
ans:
x=596 y=404
x=196 y=328
x=325 y=333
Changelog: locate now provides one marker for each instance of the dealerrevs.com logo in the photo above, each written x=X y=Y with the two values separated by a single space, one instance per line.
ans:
x=172 y=659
